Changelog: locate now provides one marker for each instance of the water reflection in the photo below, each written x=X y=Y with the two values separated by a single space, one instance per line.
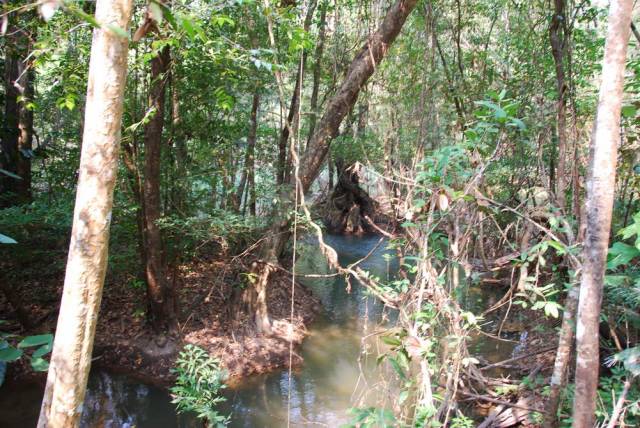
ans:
x=339 y=365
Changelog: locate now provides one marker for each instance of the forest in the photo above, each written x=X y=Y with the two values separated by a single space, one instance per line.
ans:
x=339 y=213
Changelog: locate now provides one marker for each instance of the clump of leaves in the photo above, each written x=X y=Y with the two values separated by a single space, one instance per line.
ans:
x=10 y=352
x=198 y=384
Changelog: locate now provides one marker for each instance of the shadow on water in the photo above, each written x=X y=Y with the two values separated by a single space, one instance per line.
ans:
x=339 y=369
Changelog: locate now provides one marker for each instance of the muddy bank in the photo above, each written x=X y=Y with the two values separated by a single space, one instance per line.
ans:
x=206 y=287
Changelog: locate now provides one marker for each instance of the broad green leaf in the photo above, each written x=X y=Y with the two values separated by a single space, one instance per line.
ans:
x=42 y=351
x=629 y=111
x=42 y=339
x=10 y=354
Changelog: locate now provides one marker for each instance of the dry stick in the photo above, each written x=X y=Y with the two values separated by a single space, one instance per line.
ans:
x=617 y=410
x=520 y=357
x=496 y=401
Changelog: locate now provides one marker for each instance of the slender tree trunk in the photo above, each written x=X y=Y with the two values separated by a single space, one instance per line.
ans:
x=25 y=136
x=161 y=299
x=179 y=147
x=88 y=250
x=558 y=34
x=284 y=162
x=251 y=144
x=362 y=68
x=10 y=135
x=600 y=194
x=317 y=71
x=563 y=357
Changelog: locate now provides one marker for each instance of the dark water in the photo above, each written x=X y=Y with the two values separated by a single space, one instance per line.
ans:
x=339 y=370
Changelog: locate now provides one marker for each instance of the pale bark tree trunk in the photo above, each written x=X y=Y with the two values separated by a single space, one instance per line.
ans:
x=600 y=195
x=88 y=250
x=557 y=33
x=160 y=296
x=361 y=69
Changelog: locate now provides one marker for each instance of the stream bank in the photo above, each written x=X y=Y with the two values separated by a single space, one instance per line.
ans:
x=340 y=369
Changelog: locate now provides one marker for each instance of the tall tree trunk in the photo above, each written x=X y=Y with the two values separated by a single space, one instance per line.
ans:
x=10 y=134
x=25 y=129
x=558 y=37
x=88 y=250
x=251 y=144
x=317 y=71
x=362 y=67
x=161 y=299
x=179 y=146
x=600 y=194
x=284 y=162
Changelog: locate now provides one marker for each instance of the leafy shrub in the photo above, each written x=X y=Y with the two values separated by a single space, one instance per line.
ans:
x=199 y=381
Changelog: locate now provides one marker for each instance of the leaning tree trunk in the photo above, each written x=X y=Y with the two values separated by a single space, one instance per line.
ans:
x=160 y=296
x=600 y=194
x=88 y=250
x=360 y=70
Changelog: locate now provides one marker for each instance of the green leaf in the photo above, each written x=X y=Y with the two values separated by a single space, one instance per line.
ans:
x=39 y=364
x=10 y=174
x=4 y=239
x=10 y=354
x=629 y=111
x=42 y=351
x=551 y=308
x=392 y=341
x=621 y=254
x=118 y=31
x=42 y=339
x=396 y=366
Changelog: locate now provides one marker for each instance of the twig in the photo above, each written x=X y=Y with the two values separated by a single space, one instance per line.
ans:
x=520 y=357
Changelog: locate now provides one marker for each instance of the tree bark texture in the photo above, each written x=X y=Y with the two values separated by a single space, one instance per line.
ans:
x=88 y=250
x=599 y=206
x=10 y=134
x=317 y=71
x=160 y=296
x=15 y=154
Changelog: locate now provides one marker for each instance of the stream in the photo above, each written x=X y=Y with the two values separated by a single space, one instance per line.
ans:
x=339 y=370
